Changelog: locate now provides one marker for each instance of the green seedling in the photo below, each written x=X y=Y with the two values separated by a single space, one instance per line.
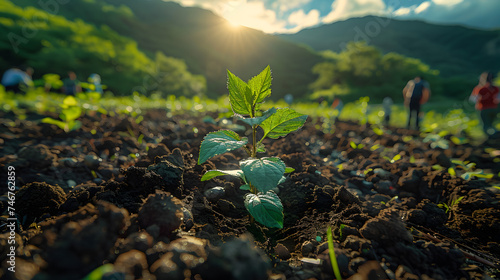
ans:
x=354 y=146
x=452 y=204
x=390 y=200
x=374 y=147
x=437 y=140
x=331 y=252
x=69 y=114
x=470 y=170
x=378 y=130
x=342 y=226
x=394 y=159
x=259 y=175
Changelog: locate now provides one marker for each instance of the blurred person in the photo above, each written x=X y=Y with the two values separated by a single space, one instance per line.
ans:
x=337 y=104
x=71 y=85
x=416 y=93
x=288 y=99
x=486 y=97
x=16 y=79
x=387 y=106
x=95 y=80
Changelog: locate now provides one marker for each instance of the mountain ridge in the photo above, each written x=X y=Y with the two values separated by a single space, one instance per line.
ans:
x=454 y=50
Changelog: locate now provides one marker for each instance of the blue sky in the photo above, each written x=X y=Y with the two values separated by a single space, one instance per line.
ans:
x=290 y=16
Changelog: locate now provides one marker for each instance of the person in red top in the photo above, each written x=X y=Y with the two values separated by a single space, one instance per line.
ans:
x=486 y=97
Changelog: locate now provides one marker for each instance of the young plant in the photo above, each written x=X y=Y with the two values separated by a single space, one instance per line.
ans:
x=453 y=203
x=69 y=114
x=259 y=175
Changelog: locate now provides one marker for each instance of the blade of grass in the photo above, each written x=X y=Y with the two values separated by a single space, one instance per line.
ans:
x=331 y=251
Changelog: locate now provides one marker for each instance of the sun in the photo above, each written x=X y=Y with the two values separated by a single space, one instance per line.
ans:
x=233 y=24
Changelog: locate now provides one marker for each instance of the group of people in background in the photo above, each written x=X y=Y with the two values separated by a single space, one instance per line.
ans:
x=416 y=93
x=485 y=96
x=19 y=79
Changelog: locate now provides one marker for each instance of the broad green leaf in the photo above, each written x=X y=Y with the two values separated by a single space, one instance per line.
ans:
x=261 y=85
x=219 y=142
x=240 y=95
x=282 y=122
x=215 y=173
x=245 y=187
x=265 y=208
x=264 y=173
x=353 y=145
x=289 y=170
x=257 y=120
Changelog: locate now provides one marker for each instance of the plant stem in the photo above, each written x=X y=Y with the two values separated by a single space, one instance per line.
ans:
x=254 y=138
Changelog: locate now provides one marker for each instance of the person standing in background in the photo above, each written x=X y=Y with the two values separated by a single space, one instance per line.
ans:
x=95 y=80
x=17 y=80
x=387 y=105
x=486 y=97
x=71 y=85
x=416 y=93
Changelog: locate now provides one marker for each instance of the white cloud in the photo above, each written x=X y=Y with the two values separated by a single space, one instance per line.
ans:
x=403 y=11
x=343 y=9
x=447 y=2
x=476 y=13
x=251 y=14
x=254 y=15
x=422 y=7
x=302 y=20
x=286 y=5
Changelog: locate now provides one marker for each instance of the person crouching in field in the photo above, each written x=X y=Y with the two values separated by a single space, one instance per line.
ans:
x=486 y=97
x=416 y=93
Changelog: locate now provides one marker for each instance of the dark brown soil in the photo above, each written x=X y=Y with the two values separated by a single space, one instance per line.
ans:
x=88 y=198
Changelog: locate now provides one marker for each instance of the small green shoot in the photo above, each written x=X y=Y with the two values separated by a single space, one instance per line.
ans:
x=354 y=146
x=342 y=226
x=378 y=131
x=99 y=272
x=69 y=113
x=374 y=147
x=333 y=258
x=452 y=204
x=259 y=175
x=394 y=159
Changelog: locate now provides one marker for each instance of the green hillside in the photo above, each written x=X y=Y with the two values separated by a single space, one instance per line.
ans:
x=204 y=41
x=157 y=46
x=453 y=50
x=52 y=43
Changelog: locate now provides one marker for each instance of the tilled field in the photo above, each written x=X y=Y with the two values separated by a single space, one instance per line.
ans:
x=104 y=195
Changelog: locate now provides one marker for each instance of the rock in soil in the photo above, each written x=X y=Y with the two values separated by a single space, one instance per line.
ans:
x=163 y=210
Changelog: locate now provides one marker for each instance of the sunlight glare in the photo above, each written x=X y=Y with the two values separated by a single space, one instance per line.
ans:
x=233 y=24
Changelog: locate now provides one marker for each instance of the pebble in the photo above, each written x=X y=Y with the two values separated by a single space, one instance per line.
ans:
x=71 y=183
x=92 y=161
x=215 y=193
x=384 y=174
x=68 y=162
